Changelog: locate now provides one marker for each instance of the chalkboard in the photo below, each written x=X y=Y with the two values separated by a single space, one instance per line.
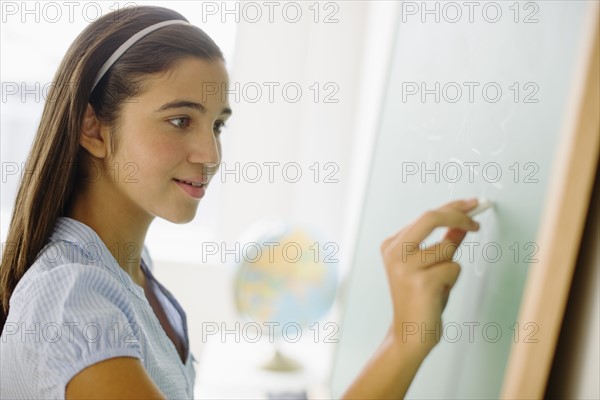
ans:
x=474 y=107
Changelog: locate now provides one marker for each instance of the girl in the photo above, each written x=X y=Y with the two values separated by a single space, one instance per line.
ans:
x=82 y=315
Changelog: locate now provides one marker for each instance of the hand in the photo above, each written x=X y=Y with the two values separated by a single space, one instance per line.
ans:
x=420 y=280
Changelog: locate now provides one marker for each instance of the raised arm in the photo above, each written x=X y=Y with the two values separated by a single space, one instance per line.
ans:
x=420 y=282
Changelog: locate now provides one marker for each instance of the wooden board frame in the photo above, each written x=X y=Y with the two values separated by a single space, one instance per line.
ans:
x=561 y=227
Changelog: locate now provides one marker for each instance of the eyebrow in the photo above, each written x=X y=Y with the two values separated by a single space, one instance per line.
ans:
x=190 y=104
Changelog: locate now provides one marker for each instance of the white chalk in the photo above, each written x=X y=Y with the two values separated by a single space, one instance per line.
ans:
x=482 y=205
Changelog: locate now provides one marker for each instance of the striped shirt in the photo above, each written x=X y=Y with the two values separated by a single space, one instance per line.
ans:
x=75 y=306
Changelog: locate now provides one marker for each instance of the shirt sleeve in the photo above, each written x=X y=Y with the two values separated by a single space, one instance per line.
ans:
x=70 y=317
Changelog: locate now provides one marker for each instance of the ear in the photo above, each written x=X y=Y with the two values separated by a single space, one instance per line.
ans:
x=94 y=136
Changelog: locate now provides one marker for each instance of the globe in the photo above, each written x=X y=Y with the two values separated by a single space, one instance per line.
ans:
x=287 y=278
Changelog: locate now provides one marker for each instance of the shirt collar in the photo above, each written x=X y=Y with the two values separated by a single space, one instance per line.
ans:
x=80 y=234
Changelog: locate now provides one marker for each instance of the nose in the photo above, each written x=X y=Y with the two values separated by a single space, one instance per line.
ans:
x=205 y=149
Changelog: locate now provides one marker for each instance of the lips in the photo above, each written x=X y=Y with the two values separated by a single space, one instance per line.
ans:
x=192 y=188
x=190 y=182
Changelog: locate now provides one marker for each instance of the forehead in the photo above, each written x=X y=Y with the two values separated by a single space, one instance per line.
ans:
x=204 y=81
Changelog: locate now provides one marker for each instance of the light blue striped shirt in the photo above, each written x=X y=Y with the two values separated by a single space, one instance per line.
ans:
x=76 y=306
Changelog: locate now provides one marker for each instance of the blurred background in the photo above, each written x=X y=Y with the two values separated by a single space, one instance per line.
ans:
x=307 y=82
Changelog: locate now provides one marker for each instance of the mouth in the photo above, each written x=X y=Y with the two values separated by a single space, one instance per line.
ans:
x=193 y=189
x=191 y=183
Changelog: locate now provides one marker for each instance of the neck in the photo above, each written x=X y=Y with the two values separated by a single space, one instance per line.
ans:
x=122 y=229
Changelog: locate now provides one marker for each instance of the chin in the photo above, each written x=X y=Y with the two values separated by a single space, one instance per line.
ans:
x=180 y=218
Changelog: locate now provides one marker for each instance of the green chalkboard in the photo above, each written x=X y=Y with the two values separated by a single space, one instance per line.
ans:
x=473 y=108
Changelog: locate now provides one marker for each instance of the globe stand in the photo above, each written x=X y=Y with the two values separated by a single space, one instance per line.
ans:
x=281 y=363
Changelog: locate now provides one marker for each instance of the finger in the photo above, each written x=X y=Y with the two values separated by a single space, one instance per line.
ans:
x=449 y=217
x=451 y=241
x=390 y=239
x=415 y=233
x=455 y=236
x=439 y=252
x=446 y=274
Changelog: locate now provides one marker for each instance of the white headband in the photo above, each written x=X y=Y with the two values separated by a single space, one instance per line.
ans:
x=130 y=42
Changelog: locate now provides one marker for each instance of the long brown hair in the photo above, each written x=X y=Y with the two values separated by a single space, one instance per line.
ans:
x=55 y=166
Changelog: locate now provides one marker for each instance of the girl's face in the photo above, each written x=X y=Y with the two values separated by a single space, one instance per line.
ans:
x=169 y=134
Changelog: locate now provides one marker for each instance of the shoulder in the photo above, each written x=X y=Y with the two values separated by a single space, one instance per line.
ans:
x=58 y=277
x=62 y=319
x=71 y=293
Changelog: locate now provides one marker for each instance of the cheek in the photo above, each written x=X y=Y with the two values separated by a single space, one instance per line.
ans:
x=152 y=160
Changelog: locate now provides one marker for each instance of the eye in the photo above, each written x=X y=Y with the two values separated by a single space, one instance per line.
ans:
x=219 y=125
x=180 y=122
